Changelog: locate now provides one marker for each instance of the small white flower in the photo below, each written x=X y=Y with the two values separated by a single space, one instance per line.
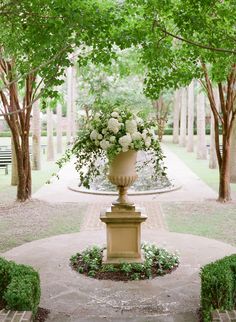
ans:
x=148 y=141
x=139 y=120
x=104 y=131
x=131 y=126
x=136 y=136
x=115 y=114
x=112 y=139
x=125 y=141
x=104 y=144
x=144 y=134
x=113 y=125
x=93 y=135
x=97 y=117
x=99 y=137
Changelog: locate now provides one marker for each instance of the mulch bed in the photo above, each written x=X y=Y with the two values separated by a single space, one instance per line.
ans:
x=41 y=315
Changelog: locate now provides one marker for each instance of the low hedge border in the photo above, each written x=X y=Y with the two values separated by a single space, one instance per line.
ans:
x=19 y=286
x=218 y=286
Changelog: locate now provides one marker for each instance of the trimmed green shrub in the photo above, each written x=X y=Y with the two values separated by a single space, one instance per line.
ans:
x=218 y=286
x=19 y=286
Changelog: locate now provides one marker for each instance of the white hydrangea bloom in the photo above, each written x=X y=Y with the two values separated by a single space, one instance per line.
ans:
x=125 y=141
x=104 y=144
x=99 y=137
x=115 y=114
x=104 y=131
x=97 y=117
x=148 y=141
x=139 y=120
x=112 y=139
x=93 y=135
x=131 y=126
x=144 y=134
x=113 y=125
x=136 y=136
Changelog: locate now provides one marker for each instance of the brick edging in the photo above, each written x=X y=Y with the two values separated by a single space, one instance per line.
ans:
x=224 y=316
x=15 y=316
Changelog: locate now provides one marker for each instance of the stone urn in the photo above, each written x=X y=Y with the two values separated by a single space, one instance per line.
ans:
x=122 y=173
x=123 y=220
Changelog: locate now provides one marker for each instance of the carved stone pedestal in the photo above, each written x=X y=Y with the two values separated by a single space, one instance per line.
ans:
x=123 y=224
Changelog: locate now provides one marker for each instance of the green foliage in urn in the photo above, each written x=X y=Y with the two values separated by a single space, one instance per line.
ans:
x=107 y=134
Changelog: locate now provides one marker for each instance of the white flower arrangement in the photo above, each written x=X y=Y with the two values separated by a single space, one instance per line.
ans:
x=107 y=134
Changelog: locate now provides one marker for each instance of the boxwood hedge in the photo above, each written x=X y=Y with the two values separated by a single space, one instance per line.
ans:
x=218 y=286
x=19 y=286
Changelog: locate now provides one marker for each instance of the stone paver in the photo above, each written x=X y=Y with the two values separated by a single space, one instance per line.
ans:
x=74 y=297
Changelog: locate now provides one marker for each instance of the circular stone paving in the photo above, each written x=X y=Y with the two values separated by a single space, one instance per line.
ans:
x=74 y=297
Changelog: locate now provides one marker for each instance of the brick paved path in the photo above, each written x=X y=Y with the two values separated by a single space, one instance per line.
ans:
x=152 y=209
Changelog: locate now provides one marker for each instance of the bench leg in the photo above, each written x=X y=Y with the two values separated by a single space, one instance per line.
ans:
x=6 y=170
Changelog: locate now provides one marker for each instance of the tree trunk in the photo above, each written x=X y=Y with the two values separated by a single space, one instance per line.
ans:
x=190 y=143
x=23 y=167
x=177 y=98
x=17 y=117
x=225 y=117
x=201 y=127
x=161 y=109
x=14 y=173
x=69 y=104
x=36 y=137
x=183 y=117
x=50 y=145
x=224 y=187
x=233 y=155
x=59 y=128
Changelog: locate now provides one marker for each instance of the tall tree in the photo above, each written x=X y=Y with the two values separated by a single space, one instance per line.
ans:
x=233 y=155
x=190 y=139
x=36 y=38
x=196 y=52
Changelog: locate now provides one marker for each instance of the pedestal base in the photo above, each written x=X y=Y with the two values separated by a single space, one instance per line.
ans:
x=123 y=233
x=120 y=260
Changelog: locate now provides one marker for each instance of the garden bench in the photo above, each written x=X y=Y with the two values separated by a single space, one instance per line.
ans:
x=208 y=148
x=5 y=148
x=5 y=160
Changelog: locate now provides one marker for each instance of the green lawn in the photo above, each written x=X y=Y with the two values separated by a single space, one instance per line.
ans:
x=200 y=167
x=209 y=218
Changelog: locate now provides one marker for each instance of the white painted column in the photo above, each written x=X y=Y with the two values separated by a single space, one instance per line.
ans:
x=183 y=117
x=190 y=139
x=177 y=97
x=201 y=126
